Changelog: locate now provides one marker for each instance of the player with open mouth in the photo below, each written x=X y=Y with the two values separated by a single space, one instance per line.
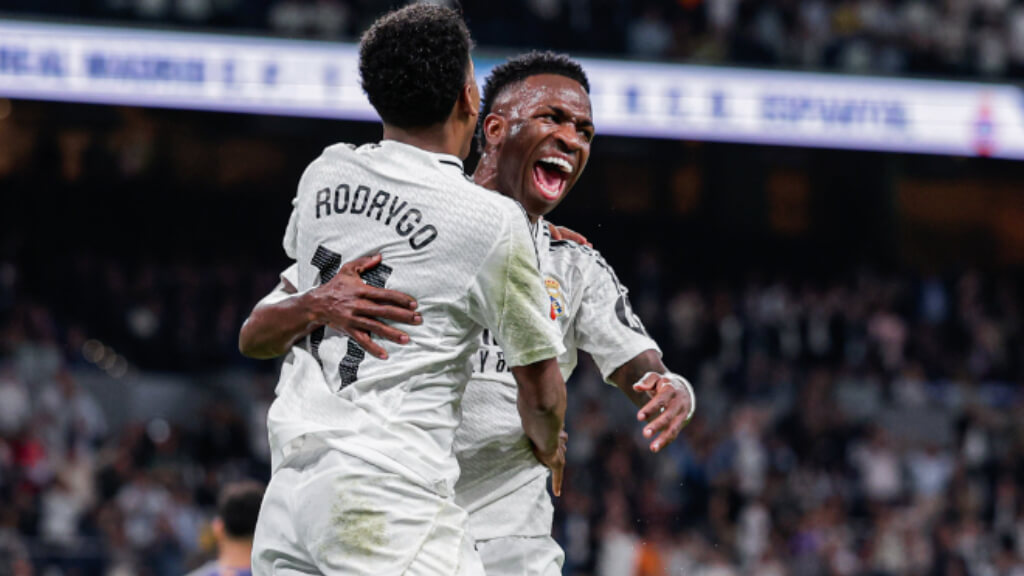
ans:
x=534 y=139
x=550 y=175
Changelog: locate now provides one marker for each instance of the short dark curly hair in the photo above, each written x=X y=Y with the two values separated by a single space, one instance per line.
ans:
x=413 y=64
x=238 y=507
x=520 y=68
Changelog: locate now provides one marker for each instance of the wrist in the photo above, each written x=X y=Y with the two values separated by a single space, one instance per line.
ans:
x=682 y=384
x=311 y=307
x=679 y=383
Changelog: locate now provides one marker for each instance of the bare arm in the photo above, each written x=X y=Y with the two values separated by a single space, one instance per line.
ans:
x=345 y=303
x=277 y=321
x=542 y=401
x=664 y=405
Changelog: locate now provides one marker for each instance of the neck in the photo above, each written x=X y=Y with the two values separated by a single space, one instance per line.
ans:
x=235 y=553
x=486 y=175
x=437 y=138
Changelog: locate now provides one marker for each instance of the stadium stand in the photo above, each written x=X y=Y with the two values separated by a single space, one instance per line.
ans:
x=958 y=38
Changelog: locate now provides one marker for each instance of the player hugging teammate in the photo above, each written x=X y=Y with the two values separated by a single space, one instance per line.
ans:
x=348 y=494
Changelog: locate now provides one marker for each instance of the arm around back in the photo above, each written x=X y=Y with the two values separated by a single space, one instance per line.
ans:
x=277 y=321
x=345 y=303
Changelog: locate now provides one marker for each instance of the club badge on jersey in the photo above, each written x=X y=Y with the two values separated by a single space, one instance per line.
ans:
x=555 y=293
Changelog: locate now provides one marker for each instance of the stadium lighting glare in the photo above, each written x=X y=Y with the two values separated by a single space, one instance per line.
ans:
x=119 y=368
x=93 y=350
x=109 y=358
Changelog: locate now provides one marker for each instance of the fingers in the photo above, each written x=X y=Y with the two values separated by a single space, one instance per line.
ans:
x=362 y=329
x=556 y=477
x=387 y=312
x=668 y=409
x=555 y=462
x=569 y=234
x=556 y=233
x=669 y=433
x=380 y=329
x=648 y=384
x=360 y=265
x=385 y=296
x=663 y=426
x=367 y=343
x=655 y=407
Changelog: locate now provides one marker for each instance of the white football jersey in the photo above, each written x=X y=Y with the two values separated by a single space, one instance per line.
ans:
x=465 y=254
x=593 y=313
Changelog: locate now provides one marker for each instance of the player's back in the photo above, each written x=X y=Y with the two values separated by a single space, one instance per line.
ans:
x=463 y=252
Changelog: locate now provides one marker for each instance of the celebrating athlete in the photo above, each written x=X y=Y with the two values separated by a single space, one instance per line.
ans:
x=535 y=141
x=363 y=467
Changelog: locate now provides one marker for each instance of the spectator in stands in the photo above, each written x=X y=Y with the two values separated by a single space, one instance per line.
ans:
x=14 y=559
x=15 y=407
x=237 y=510
x=875 y=36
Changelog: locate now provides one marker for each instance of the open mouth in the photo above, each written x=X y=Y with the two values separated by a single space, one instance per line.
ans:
x=551 y=174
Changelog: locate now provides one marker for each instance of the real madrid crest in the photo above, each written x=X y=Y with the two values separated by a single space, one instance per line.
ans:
x=555 y=293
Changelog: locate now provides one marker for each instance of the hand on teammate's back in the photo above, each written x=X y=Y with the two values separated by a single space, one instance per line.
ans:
x=554 y=461
x=348 y=304
x=563 y=233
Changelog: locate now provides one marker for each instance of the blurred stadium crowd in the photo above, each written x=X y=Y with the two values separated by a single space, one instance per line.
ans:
x=873 y=426
x=935 y=38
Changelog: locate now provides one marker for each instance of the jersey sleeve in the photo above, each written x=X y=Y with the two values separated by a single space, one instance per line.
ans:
x=507 y=297
x=291 y=275
x=606 y=326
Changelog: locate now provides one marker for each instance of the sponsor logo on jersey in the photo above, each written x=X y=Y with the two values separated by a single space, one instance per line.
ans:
x=555 y=293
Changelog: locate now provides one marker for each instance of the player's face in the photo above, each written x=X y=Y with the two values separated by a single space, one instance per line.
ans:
x=547 y=141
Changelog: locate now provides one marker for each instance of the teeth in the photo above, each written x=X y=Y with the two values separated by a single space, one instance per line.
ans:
x=558 y=162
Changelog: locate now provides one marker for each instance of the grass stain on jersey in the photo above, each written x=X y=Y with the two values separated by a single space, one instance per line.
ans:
x=355 y=529
x=522 y=312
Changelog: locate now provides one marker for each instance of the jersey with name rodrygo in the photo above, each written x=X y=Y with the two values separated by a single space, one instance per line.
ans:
x=593 y=313
x=465 y=254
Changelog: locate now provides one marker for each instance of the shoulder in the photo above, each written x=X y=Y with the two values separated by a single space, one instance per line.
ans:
x=330 y=156
x=492 y=206
x=582 y=257
x=343 y=150
x=511 y=209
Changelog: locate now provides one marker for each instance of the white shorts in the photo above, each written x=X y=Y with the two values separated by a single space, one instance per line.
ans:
x=518 y=556
x=326 y=512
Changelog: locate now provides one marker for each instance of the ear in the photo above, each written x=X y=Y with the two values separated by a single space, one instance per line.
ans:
x=469 y=102
x=218 y=529
x=495 y=128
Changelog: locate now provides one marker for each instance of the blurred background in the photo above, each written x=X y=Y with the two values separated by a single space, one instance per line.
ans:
x=848 y=304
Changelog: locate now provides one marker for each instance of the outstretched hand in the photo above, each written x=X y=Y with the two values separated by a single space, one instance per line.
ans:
x=348 y=304
x=668 y=411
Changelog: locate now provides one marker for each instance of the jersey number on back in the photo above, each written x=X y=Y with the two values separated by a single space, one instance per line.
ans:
x=328 y=263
